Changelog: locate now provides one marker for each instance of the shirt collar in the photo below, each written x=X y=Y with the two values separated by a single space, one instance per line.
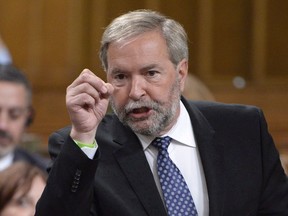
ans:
x=182 y=131
x=6 y=161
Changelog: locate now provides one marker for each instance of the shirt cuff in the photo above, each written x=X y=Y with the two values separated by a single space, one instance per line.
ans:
x=88 y=149
x=81 y=145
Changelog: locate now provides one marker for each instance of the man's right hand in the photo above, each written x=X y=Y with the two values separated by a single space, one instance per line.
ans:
x=87 y=99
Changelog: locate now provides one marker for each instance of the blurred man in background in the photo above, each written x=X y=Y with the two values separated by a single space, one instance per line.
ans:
x=16 y=114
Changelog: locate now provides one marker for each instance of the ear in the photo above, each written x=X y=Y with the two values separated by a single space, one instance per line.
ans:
x=182 y=70
x=30 y=117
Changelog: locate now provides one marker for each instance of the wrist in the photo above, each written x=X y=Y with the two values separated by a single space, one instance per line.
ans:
x=83 y=137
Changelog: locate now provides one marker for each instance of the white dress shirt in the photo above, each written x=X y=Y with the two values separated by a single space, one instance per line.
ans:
x=6 y=161
x=184 y=153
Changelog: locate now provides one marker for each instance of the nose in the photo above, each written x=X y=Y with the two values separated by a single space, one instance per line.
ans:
x=138 y=88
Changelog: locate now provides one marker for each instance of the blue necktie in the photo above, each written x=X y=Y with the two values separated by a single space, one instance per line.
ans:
x=178 y=199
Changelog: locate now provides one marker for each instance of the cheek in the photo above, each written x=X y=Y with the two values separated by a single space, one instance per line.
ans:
x=36 y=190
x=17 y=129
x=120 y=97
x=160 y=93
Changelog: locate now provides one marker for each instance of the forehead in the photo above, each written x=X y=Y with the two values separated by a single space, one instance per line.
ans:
x=12 y=94
x=146 y=46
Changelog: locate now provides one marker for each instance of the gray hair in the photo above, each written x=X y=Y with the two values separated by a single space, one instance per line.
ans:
x=137 y=22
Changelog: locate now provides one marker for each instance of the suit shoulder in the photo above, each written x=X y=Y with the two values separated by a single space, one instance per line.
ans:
x=31 y=157
x=228 y=113
x=216 y=107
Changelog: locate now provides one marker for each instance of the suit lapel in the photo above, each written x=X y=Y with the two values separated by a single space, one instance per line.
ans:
x=134 y=165
x=211 y=158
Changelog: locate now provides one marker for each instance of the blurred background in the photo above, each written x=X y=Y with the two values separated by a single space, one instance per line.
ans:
x=238 y=48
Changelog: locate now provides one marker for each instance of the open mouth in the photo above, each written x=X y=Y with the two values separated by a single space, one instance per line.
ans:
x=142 y=112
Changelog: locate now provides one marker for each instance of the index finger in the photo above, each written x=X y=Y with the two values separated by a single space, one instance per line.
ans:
x=87 y=76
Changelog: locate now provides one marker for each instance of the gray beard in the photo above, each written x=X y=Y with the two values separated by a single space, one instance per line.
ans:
x=163 y=113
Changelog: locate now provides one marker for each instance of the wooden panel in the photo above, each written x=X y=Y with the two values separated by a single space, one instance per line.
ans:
x=259 y=41
x=95 y=25
x=277 y=39
x=117 y=7
x=204 y=65
x=61 y=37
x=14 y=28
x=51 y=113
x=186 y=13
x=231 y=38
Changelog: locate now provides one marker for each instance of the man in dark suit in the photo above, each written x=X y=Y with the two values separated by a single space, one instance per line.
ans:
x=112 y=165
x=16 y=114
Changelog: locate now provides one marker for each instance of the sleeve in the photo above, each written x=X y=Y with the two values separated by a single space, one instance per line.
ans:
x=69 y=189
x=274 y=199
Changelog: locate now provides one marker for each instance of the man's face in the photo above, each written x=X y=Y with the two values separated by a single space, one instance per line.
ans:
x=13 y=115
x=147 y=86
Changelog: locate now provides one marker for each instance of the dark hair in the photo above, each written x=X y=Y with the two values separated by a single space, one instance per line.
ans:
x=10 y=73
x=17 y=176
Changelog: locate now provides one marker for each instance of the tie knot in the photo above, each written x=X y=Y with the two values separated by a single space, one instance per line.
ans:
x=162 y=143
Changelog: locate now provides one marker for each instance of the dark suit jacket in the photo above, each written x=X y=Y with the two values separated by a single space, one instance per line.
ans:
x=32 y=158
x=241 y=165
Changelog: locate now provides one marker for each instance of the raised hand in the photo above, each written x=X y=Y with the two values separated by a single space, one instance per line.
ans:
x=87 y=99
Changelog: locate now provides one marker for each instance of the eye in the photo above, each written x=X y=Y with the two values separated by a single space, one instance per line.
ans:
x=119 y=79
x=151 y=73
x=16 y=113
x=119 y=76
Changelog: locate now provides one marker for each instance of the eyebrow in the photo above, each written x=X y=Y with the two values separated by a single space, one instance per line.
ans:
x=149 y=67
x=116 y=70
x=143 y=69
x=15 y=108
